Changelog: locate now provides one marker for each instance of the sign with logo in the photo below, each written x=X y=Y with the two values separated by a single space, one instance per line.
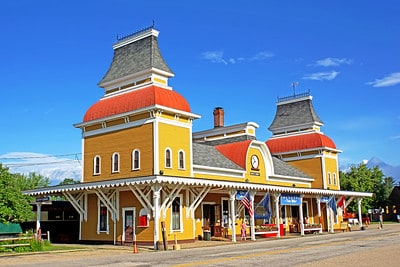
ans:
x=325 y=199
x=240 y=194
x=290 y=199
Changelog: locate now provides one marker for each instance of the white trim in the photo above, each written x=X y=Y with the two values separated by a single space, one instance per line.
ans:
x=134 y=158
x=206 y=170
x=107 y=231
x=95 y=165
x=133 y=221
x=113 y=170
x=180 y=215
x=217 y=184
x=183 y=167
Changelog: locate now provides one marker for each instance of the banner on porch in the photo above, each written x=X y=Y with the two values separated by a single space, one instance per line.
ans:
x=325 y=199
x=290 y=199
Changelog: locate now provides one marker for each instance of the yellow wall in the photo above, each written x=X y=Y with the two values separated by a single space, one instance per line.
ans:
x=175 y=138
x=123 y=142
x=312 y=167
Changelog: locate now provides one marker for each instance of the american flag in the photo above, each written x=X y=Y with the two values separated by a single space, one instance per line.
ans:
x=247 y=203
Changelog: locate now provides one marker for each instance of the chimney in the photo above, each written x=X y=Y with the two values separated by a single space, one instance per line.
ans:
x=218 y=117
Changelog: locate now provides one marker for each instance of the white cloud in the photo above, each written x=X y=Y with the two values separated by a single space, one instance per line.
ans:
x=329 y=62
x=320 y=76
x=56 y=168
x=390 y=80
x=218 y=57
x=214 y=57
x=262 y=56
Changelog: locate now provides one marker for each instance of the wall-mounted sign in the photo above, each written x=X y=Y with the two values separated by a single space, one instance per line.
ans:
x=290 y=199
x=240 y=194
x=42 y=199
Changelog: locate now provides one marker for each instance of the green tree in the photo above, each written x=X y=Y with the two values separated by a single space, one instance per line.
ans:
x=69 y=181
x=360 y=178
x=15 y=206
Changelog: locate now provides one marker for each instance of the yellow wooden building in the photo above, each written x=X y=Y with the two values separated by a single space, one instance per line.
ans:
x=147 y=175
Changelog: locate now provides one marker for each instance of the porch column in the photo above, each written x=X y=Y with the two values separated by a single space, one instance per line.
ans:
x=319 y=213
x=156 y=214
x=301 y=216
x=252 y=232
x=38 y=215
x=277 y=218
x=232 y=197
x=359 y=212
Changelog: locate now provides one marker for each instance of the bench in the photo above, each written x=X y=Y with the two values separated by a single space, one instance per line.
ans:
x=313 y=230
x=344 y=226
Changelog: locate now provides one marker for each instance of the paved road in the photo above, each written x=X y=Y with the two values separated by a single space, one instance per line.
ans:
x=357 y=248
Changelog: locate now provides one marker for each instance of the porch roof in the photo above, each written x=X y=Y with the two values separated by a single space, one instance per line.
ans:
x=197 y=182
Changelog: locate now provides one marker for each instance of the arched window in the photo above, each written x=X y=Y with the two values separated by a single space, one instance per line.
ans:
x=329 y=178
x=334 y=178
x=181 y=158
x=136 y=159
x=96 y=165
x=115 y=162
x=168 y=162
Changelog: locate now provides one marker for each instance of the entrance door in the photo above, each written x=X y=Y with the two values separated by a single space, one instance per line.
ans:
x=209 y=216
x=129 y=224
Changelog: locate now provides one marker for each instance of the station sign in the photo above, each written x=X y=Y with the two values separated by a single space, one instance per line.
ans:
x=290 y=199
x=240 y=194
x=42 y=199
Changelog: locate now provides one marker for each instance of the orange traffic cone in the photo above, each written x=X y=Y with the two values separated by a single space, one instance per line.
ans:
x=135 y=250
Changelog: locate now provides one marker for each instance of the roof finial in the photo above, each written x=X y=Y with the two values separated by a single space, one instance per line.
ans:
x=294 y=85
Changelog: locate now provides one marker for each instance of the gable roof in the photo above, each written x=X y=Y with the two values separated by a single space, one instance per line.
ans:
x=136 y=99
x=206 y=155
x=236 y=152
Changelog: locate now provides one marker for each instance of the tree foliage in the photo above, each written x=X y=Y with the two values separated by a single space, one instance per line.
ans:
x=15 y=206
x=360 y=178
x=69 y=181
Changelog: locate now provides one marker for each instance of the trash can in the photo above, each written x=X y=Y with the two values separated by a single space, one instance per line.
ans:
x=207 y=235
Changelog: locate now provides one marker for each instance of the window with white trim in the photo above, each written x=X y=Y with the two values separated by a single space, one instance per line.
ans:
x=115 y=162
x=181 y=158
x=334 y=178
x=168 y=163
x=176 y=210
x=102 y=221
x=96 y=165
x=136 y=159
x=329 y=178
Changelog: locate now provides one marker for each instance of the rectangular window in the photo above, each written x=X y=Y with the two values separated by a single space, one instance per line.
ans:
x=168 y=158
x=176 y=214
x=103 y=218
x=181 y=160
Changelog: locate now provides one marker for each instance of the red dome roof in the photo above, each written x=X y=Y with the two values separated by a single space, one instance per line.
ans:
x=137 y=99
x=299 y=142
x=236 y=152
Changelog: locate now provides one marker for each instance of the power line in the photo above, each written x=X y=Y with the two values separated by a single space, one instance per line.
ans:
x=15 y=165
x=40 y=157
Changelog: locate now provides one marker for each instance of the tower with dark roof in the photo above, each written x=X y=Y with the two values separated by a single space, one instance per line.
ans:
x=298 y=140
x=140 y=118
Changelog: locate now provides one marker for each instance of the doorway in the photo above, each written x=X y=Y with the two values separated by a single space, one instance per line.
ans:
x=129 y=215
x=210 y=216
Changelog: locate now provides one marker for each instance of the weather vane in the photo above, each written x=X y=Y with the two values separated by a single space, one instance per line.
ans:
x=294 y=85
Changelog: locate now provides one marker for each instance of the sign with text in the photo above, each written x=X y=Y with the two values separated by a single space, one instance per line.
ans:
x=240 y=194
x=290 y=199
x=42 y=199
x=325 y=199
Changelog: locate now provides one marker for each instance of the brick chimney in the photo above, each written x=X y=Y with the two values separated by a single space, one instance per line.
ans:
x=218 y=117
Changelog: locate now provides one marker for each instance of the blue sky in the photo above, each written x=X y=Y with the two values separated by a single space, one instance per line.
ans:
x=240 y=55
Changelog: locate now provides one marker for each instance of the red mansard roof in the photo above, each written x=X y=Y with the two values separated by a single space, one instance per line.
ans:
x=137 y=99
x=299 y=142
x=236 y=152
